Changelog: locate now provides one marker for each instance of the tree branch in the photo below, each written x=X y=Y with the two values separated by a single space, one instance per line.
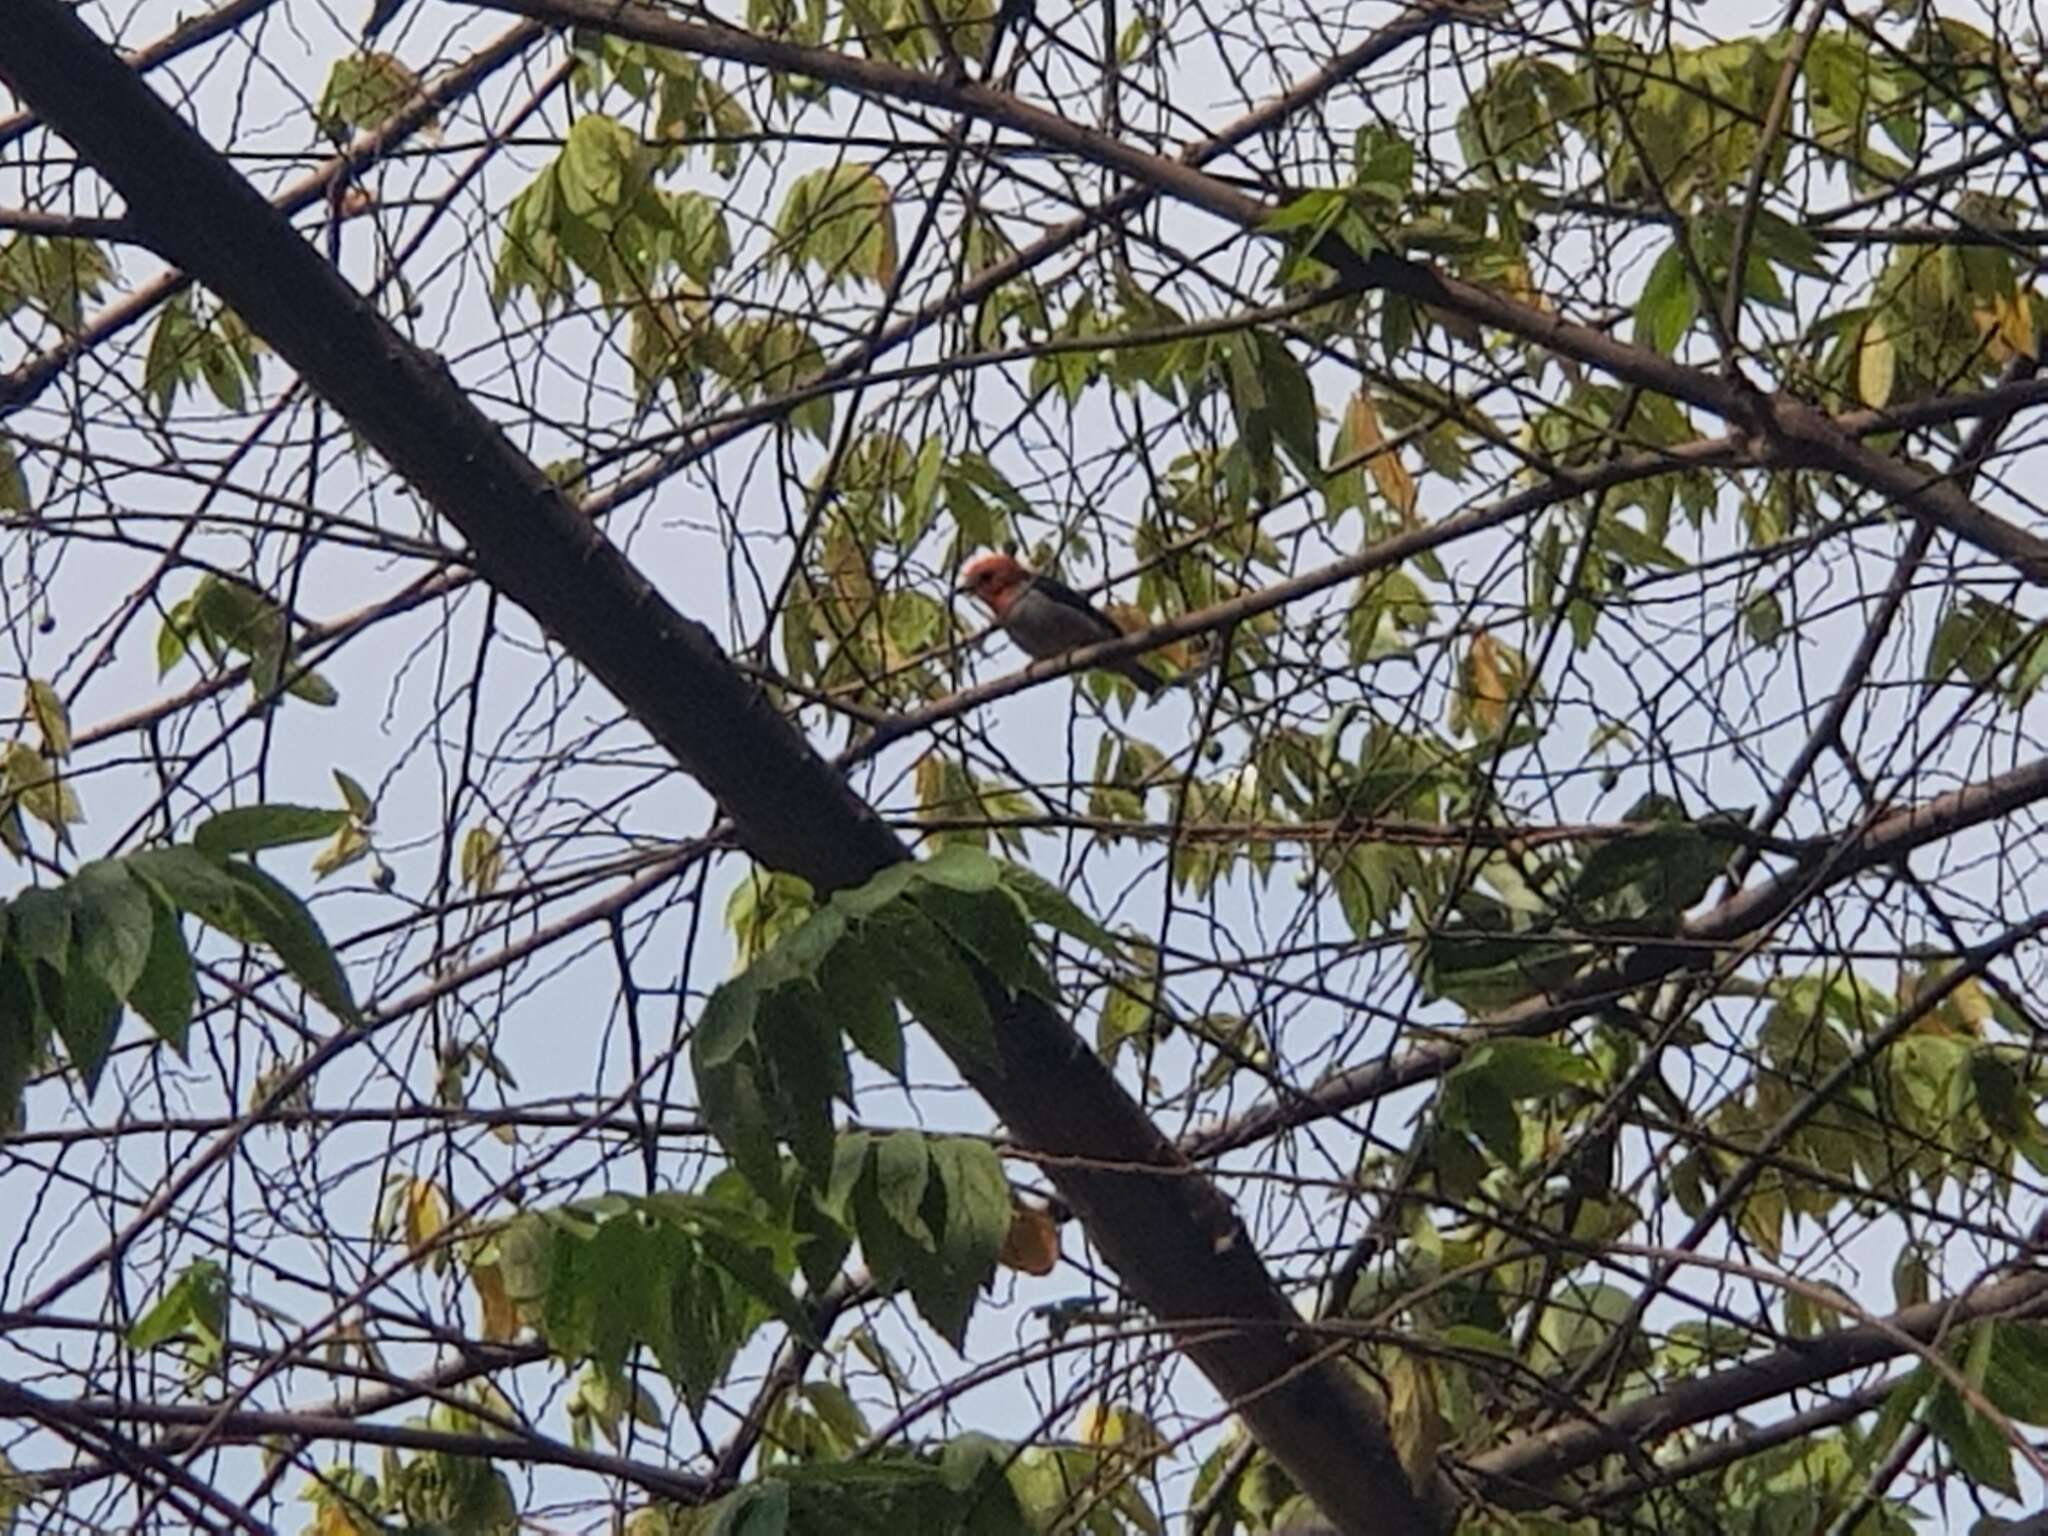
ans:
x=1174 y=1239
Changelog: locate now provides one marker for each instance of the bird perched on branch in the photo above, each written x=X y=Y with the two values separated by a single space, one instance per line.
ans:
x=1044 y=617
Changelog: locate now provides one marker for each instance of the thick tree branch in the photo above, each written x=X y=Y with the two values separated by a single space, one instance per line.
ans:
x=22 y=385
x=1174 y=1239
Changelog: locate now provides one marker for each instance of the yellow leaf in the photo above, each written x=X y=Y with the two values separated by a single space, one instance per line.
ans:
x=1032 y=1244
x=1877 y=363
x=483 y=860
x=1091 y=1423
x=1969 y=1005
x=426 y=1214
x=344 y=848
x=500 y=1316
x=1362 y=430
x=53 y=720
x=1130 y=618
x=1125 y=1428
x=1486 y=686
x=34 y=785
x=2011 y=325
x=1762 y=1219
x=1412 y=1418
x=850 y=590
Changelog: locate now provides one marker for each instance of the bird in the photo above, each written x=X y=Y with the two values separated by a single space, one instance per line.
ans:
x=1044 y=617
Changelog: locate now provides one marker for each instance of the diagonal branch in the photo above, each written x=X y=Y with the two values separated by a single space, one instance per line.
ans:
x=1173 y=1238
x=1806 y=436
x=1745 y=913
x=1519 y=1471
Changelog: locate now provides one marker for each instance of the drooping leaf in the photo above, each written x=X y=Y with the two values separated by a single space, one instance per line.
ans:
x=483 y=860
x=288 y=929
x=52 y=720
x=193 y=1307
x=251 y=828
x=113 y=924
x=363 y=91
x=841 y=220
x=1668 y=304
x=164 y=993
x=34 y=784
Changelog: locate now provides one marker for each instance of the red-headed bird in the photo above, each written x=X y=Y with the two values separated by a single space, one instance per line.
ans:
x=1044 y=617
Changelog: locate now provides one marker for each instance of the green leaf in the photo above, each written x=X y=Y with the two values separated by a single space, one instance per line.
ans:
x=164 y=994
x=798 y=1040
x=1652 y=876
x=1530 y=1069
x=249 y=828
x=840 y=219
x=38 y=789
x=86 y=1016
x=2016 y=1377
x=1382 y=163
x=173 y=345
x=1579 y=1320
x=1668 y=304
x=364 y=90
x=902 y=1166
x=991 y=927
x=1291 y=399
x=734 y=1107
x=937 y=985
x=1048 y=904
x=759 y=1510
x=1976 y=637
x=356 y=798
x=598 y=170
x=40 y=920
x=1475 y=1102
x=727 y=1024
x=21 y=1041
x=288 y=929
x=750 y=1267
x=1636 y=548
x=856 y=978
x=1980 y=1451
x=960 y=867
x=977 y=1205
x=113 y=923
x=194 y=1306
x=1763 y=619
x=191 y=882
x=798 y=954
x=223 y=373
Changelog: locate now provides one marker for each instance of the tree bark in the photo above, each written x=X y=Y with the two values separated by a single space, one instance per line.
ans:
x=1172 y=1237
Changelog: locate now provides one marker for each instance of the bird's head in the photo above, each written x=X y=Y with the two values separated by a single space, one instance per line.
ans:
x=994 y=580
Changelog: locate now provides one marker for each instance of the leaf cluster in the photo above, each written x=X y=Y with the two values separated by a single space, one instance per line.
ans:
x=74 y=955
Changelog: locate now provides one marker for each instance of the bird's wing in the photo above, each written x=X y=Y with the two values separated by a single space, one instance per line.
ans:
x=1069 y=599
